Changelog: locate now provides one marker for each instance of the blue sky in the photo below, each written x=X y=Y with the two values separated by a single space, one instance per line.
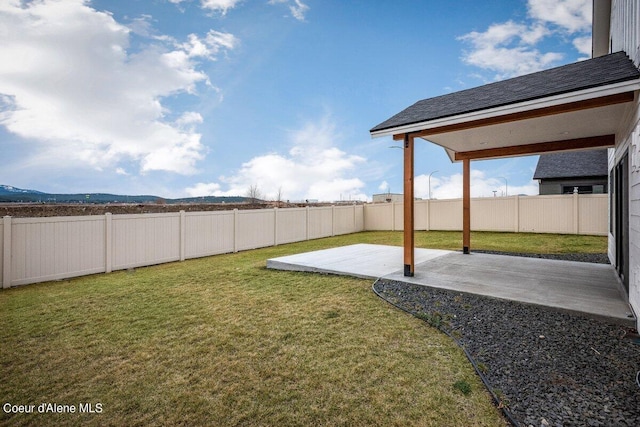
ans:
x=209 y=97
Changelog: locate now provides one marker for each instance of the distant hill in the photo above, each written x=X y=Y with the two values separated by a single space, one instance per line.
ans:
x=7 y=189
x=10 y=194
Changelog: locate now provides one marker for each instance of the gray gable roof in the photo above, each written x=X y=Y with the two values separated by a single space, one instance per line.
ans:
x=601 y=71
x=572 y=164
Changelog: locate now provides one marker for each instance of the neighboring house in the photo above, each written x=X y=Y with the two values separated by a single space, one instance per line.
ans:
x=590 y=104
x=387 y=198
x=563 y=173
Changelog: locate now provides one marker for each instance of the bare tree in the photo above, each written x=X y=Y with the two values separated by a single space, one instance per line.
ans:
x=253 y=194
x=279 y=196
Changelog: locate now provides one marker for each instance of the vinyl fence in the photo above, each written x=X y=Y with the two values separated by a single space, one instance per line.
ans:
x=562 y=214
x=40 y=249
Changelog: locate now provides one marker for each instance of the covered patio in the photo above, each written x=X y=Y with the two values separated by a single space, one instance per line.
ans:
x=584 y=288
x=574 y=107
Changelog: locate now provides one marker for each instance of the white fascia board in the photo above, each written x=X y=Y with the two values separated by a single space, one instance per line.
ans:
x=536 y=104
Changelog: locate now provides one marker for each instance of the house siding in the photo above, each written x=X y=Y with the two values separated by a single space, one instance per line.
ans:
x=625 y=36
x=555 y=186
x=625 y=28
x=633 y=141
x=628 y=142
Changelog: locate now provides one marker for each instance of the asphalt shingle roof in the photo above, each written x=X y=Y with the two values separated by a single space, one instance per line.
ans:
x=572 y=164
x=601 y=71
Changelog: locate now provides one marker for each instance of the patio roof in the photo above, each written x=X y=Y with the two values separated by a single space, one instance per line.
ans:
x=574 y=105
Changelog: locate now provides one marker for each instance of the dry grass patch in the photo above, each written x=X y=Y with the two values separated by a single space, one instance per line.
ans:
x=223 y=341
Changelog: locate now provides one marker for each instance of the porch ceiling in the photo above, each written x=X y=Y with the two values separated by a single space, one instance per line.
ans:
x=575 y=125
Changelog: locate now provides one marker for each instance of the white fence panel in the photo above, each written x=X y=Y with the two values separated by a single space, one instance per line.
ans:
x=547 y=214
x=359 y=214
x=2 y=245
x=565 y=214
x=493 y=214
x=378 y=217
x=421 y=212
x=320 y=222
x=398 y=216
x=255 y=229
x=52 y=248
x=593 y=214
x=208 y=233
x=145 y=239
x=291 y=225
x=446 y=215
x=344 y=221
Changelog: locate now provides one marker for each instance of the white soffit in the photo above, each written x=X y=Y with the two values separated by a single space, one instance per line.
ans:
x=565 y=126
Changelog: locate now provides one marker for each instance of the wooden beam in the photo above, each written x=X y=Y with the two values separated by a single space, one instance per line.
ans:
x=409 y=243
x=603 y=141
x=466 y=206
x=524 y=115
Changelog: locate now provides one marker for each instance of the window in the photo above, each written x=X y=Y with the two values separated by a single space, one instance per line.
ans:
x=582 y=189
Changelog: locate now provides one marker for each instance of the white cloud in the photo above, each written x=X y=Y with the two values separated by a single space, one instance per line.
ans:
x=450 y=187
x=571 y=15
x=507 y=49
x=82 y=96
x=583 y=45
x=314 y=168
x=384 y=186
x=511 y=48
x=189 y=118
x=297 y=8
x=221 y=6
x=204 y=189
x=210 y=46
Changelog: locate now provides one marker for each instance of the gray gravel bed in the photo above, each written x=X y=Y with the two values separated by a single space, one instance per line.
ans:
x=547 y=367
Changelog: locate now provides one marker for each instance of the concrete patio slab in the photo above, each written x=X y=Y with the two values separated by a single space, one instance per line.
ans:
x=586 y=288
x=361 y=260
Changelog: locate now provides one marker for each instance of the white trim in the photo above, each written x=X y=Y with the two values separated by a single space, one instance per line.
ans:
x=565 y=98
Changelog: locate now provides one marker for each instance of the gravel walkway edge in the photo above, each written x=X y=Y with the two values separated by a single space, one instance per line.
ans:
x=542 y=367
x=496 y=400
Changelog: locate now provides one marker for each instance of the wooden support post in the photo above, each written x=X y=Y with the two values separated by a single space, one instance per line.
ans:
x=408 y=207
x=466 y=205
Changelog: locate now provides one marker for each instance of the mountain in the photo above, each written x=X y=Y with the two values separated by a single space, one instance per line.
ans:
x=7 y=189
x=10 y=194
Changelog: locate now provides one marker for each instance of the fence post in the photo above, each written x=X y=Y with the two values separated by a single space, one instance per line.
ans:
x=108 y=227
x=517 y=215
x=393 y=215
x=307 y=230
x=428 y=228
x=183 y=234
x=6 y=253
x=353 y=229
x=235 y=230
x=275 y=226
x=576 y=214
x=333 y=220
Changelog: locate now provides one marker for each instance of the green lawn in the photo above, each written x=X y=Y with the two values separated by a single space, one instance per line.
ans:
x=224 y=341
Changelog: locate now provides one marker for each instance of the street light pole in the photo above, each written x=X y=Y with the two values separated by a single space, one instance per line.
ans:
x=430 y=183
x=506 y=186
